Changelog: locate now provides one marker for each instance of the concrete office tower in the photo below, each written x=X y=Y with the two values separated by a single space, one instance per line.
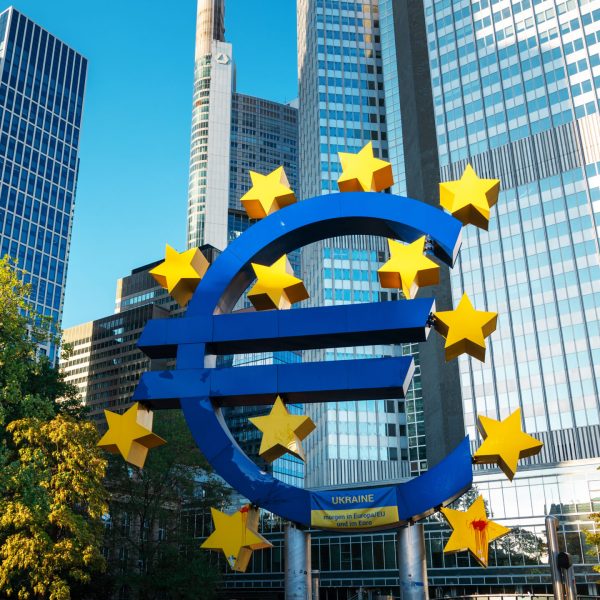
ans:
x=105 y=364
x=343 y=95
x=41 y=102
x=516 y=87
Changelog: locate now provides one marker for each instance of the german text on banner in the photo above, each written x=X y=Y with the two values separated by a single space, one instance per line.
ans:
x=354 y=509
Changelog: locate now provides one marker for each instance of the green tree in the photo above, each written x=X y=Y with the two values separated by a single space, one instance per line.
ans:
x=51 y=492
x=156 y=516
x=592 y=538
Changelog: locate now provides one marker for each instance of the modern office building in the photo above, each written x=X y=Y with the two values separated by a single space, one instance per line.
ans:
x=41 y=102
x=396 y=39
x=342 y=107
x=264 y=136
x=516 y=88
x=231 y=134
x=234 y=133
x=105 y=363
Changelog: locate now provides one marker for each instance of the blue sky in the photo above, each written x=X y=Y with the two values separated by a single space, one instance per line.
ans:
x=131 y=196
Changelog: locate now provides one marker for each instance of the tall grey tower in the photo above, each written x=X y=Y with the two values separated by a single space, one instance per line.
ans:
x=233 y=133
x=210 y=25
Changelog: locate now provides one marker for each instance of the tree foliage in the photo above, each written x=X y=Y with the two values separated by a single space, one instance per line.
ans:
x=592 y=538
x=151 y=540
x=51 y=492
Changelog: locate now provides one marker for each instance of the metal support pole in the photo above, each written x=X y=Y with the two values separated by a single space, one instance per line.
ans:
x=552 y=537
x=570 y=587
x=411 y=563
x=297 y=563
x=316 y=584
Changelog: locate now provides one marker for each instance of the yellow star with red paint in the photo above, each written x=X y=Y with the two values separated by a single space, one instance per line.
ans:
x=363 y=172
x=465 y=329
x=472 y=531
x=237 y=536
x=470 y=198
x=268 y=194
x=408 y=268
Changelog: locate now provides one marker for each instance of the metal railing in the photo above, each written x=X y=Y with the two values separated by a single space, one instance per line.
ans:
x=370 y=595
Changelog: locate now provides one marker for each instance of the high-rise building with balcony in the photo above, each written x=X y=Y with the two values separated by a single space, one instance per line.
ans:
x=41 y=102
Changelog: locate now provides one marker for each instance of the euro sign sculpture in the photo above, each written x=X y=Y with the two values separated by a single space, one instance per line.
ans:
x=415 y=232
x=209 y=329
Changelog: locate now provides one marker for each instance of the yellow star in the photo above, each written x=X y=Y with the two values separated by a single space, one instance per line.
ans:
x=276 y=286
x=268 y=194
x=470 y=198
x=471 y=530
x=363 y=172
x=180 y=273
x=282 y=432
x=465 y=329
x=505 y=443
x=408 y=268
x=130 y=434
x=236 y=535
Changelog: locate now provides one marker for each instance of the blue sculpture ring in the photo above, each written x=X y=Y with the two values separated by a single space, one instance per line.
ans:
x=209 y=329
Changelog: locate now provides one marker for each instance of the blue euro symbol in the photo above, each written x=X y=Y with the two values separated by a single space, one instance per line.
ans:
x=210 y=329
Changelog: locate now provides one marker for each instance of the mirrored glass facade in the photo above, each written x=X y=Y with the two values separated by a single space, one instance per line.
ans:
x=342 y=107
x=41 y=101
x=516 y=88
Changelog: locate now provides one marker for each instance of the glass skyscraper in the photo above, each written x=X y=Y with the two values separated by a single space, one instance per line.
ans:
x=342 y=49
x=41 y=102
x=516 y=87
x=342 y=108
x=516 y=91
